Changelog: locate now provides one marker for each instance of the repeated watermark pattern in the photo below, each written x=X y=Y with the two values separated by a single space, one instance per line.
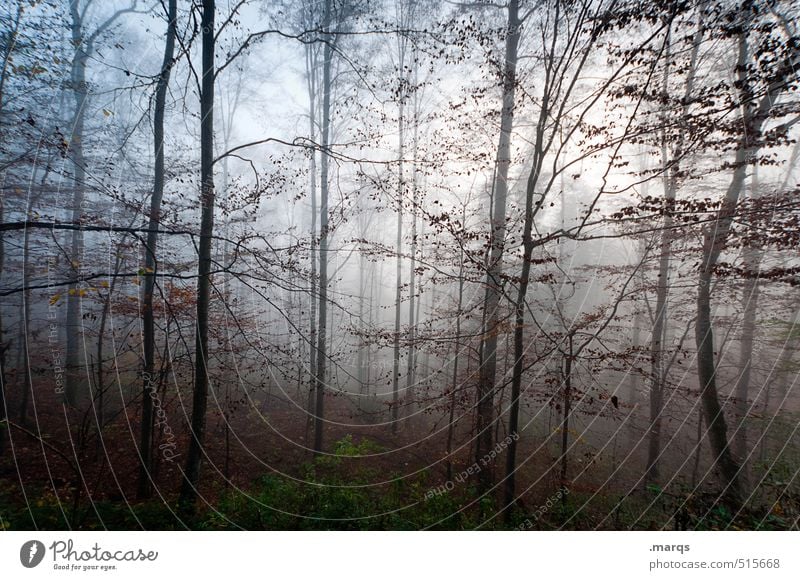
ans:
x=167 y=448
x=53 y=341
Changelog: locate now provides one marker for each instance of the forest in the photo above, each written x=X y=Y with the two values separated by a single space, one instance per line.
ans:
x=399 y=265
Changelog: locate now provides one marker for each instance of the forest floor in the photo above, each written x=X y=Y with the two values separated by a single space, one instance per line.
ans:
x=260 y=474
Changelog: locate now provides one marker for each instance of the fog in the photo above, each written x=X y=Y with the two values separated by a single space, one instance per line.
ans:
x=408 y=264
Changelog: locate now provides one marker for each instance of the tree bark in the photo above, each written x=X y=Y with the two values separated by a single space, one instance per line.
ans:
x=751 y=260
x=454 y=382
x=311 y=71
x=144 y=488
x=3 y=345
x=567 y=410
x=200 y=396
x=412 y=298
x=714 y=238
x=8 y=46
x=494 y=283
x=80 y=94
x=319 y=407
x=398 y=275
x=671 y=161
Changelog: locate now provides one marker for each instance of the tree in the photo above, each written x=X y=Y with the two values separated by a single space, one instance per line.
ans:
x=497 y=235
x=84 y=47
x=756 y=110
x=321 y=347
x=672 y=153
x=571 y=32
x=311 y=53
x=151 y=263
x=201 y=366
x=405 y=10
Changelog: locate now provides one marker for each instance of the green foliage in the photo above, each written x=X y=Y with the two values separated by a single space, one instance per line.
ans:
x=655 y=489
x=46 y=510
x=337 y=494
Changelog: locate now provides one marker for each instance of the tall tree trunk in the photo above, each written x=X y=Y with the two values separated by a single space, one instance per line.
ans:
x=784 y=365
x=412 y=278
x=144 y=488
x=454 y=382
x=715 y=236
x=494 y=282
x=424 y=369
x=698 y=448
x=80 y=94
x=405 y=11
x=311 y=71
x=398 y=286
x=751 y=258
x=365 y=278
x=24 y=334
x=397 y=304
x=714 y=239
x=413 y=301
x=784 y=369
x=636 y=342
x=670 y=160
x=657 y=347
x=373 y=307
x=98 y=397
x=567 y=409
x=399 y=274
x=8 y=46
x=200 y=395
x=362 y=292
x=319 y=407
x=713 y=413
x=3 y=344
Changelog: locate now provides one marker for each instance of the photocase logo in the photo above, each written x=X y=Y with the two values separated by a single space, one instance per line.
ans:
x=31 y=553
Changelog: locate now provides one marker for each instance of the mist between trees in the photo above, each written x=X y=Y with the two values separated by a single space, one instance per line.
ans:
x=286 y=265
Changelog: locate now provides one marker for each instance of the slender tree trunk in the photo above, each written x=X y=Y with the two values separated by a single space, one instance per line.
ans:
x=413 y=302
x=424 y=369
x=636 y=342
x=670 y=161
x=144 y=488
x=3 y=345
x=200 y=395
x=713 y=413
x=80 y=94
x=319 y=407
x=454 y=382
x=751 y=260
x=362 y=291
x=98 y=397
x=399 y=277
x=752 y=255
x=783 y=370
x=405 y=10
x=567 y=410
x=311 y=70
x=656 y=349
x=494 y=282
x=715 y=237
x=24 y=335
x=784 y=365
x=412 y=299
x=698 y=448
x=8 y=46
